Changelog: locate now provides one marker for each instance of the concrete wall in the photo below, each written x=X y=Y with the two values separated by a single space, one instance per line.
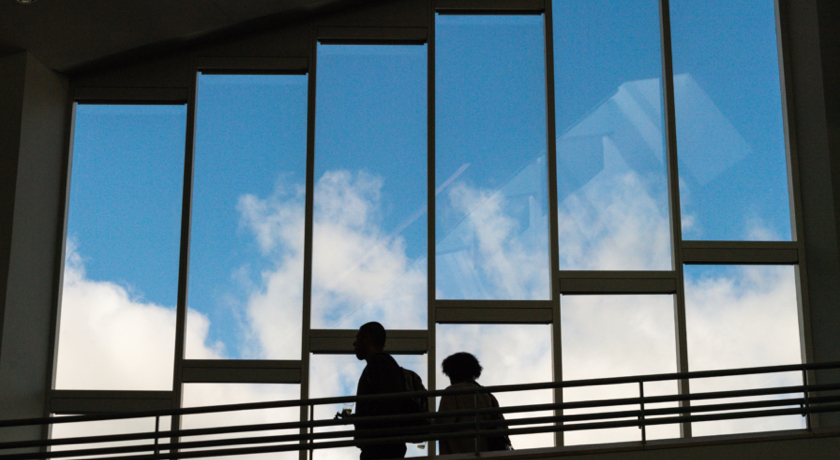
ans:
x=33 y=122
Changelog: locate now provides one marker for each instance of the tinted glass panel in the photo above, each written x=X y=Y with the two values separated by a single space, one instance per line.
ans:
x=117 y=323
x=246 y=244
x=742 y=316
x=509 y=355
x=490 y=158
x=732 y=162
x=370 y=221
x=612 y=185
x=618 y=336
x=211 y=394
x=338 y=375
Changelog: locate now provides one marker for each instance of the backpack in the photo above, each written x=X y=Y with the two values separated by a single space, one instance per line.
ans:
x=499 y=441
x=415 y=404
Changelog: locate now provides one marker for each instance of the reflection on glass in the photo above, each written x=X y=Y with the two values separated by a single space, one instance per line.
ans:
x=509 y=354
x=742 y=316
x=246 y=243
x=212 y=394
x=117 y=326
x=612 y=186
x=732 y=161
x=617 y=336
x=491 y=239
x=338 y=375
x=370 y=231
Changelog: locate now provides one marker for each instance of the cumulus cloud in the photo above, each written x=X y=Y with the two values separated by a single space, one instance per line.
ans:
x=111 y=340
x=742 y=317
x=498 y=256
x=618 y=220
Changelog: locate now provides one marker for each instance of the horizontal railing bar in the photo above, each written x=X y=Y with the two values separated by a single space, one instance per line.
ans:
x=548 y=428
x=513 y=409
x=435 y=393
x=550 y=419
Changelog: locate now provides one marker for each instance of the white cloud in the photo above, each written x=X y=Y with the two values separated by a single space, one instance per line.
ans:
x=109 y=340
x=510 y=354
x=616 y=221
x=743 y=318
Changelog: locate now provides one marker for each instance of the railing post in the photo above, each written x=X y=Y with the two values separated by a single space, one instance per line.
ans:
x=477 y=428
x=642 y=414
x=806 y=412
x=311 y=430
x=157 y=432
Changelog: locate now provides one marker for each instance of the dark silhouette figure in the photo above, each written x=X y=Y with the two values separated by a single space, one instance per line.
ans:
x=381 y=375
x=463 y=370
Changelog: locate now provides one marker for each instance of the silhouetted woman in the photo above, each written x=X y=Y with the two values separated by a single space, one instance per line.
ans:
x=463 y=370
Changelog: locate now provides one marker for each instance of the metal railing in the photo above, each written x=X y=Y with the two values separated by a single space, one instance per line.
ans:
x=800 y=400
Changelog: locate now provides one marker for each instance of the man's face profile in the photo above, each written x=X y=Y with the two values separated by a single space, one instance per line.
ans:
x=360 y=345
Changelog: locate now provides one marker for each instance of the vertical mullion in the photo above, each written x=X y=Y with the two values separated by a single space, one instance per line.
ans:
x=674 y=202
x=307 y=232
x=430 y=210
x=183 y=266
x=58 y=283
x=551 y=145
x=796 y=218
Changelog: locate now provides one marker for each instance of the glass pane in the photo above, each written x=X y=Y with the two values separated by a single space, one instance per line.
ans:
x=618 y=336
x=732 y=162
x=108 y=428
x=491 y=208
x=509 y=354
x=742 y=316
x=338 y=375
x=612 y=184
x=369 y=234
x=212 y=394
x=117 y=326
x=246 y=243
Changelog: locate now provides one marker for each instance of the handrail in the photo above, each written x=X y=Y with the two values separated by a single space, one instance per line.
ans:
x=808 y=403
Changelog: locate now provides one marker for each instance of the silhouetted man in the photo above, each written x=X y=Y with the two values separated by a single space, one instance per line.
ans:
x=381 y=375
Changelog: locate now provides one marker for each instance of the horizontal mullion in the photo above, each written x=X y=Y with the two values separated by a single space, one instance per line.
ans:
x=103 y=401
x=340 y=341
x=223 y=64
x=489 y=6
x=240 y=371
x=741 y=252
x=129 y=95
x=373 y=35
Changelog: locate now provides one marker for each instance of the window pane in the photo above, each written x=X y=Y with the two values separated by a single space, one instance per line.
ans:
x=612 y=184
x=213 y=394
x=246 y=243
x=491 y=239
x=117 y=326
x=618 y=336
x=369 y=234
x=732 y=162
x=338 y=375
x=510 y=354
x=742 y=316
x=108 y=428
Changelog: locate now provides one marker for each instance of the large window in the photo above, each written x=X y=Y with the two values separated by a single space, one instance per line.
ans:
x=568 y=190
x=246 y=240
x=117 y=323
x=491 y=192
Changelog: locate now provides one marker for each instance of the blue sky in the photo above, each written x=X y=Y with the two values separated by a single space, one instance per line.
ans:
x=491 y=188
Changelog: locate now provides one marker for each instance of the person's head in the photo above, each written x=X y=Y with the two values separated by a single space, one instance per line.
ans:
x=370 y=340
x=461 y=367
